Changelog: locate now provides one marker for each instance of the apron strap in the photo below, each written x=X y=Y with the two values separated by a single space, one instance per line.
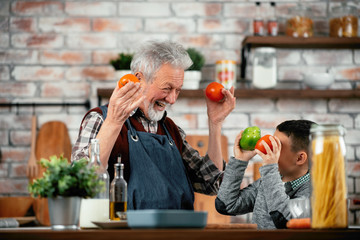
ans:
x=171 y=141
x=135 y=138
x=133 y=134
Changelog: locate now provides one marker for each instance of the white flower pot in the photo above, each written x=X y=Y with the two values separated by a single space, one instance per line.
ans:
x=191 y=79
x=120 y=73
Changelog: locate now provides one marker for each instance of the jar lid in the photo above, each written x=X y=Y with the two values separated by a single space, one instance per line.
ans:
x=265 y=50
x=327 y=129
x=344 y=9
x=225 y=61
x=300 y=10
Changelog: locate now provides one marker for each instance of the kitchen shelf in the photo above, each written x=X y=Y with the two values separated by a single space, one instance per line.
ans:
x=259 y=93
x=291 y=42
x=311 y=42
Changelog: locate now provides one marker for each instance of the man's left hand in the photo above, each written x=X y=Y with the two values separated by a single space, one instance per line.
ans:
x=218 y=111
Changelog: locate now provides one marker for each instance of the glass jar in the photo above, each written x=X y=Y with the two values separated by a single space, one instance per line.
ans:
x=299 y=23
x=343 y=21
x=96 y=208
x=264 y=68
x=328 y=177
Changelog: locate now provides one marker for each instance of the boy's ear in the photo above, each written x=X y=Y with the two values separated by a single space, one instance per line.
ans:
x=302 y=158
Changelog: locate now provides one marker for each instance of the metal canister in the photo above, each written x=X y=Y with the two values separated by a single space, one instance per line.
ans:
x=328 y=177
x=226 y=73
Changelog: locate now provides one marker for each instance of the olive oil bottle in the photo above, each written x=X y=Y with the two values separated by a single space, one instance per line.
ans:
x=118 y=194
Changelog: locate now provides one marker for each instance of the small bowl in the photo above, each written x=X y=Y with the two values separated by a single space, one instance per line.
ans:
x=15 y=206
x=300 y=207
x=319 y=80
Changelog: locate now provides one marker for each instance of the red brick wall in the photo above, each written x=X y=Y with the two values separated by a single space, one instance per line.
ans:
x=56 y=51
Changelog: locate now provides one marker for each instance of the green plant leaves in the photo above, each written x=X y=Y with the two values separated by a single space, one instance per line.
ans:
x=122 y=62
x=197 y=58
x=62 y=178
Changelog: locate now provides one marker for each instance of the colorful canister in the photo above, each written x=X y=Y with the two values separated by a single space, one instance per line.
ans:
x=226 y=73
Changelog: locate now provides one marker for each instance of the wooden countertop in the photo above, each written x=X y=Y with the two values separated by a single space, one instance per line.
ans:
x=177 y=234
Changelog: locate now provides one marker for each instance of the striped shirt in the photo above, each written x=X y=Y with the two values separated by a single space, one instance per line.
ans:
x=208 y=174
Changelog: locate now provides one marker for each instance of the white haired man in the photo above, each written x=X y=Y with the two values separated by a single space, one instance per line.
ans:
x=161 y=168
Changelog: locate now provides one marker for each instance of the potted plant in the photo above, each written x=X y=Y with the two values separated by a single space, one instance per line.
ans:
x=122 y=64
x=192 y=76
x=65 y=184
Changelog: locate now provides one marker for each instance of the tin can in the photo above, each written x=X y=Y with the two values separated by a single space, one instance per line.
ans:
x=226 y=73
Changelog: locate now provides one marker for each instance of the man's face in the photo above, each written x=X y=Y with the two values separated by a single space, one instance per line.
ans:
x=287 y=160
x=162 y=92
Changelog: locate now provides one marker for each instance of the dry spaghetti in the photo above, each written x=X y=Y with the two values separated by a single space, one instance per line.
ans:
x=329 y=193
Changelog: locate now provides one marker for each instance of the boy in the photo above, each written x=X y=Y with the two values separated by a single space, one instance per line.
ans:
x=284 y=176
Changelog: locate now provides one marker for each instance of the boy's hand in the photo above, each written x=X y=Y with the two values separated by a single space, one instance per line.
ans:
x=240 y=153
x=271 y=156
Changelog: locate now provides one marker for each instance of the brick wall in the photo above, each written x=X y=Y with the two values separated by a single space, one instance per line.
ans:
x=58 y=51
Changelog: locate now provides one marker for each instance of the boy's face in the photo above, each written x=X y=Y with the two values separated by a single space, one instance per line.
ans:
x=287 y=160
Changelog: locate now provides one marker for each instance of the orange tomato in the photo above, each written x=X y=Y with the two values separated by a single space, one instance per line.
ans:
x=213 y=91
x=261 y=147
x=127 y=78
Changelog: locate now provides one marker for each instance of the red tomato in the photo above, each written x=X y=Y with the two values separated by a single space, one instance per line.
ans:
x=260 y=146
x=127 y=78
x=213 y=91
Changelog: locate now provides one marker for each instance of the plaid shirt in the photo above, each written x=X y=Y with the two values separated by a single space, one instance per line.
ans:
x=208 y=174
x=300 y=181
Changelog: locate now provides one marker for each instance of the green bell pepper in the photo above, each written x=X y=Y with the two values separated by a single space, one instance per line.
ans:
x=249 y=138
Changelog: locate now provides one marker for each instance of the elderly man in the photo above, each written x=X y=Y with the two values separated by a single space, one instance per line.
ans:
x=161 y=168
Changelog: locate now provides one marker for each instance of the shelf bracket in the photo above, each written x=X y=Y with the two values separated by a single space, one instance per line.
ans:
x=245 y=52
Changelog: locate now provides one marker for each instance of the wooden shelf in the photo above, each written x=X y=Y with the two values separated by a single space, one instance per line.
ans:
x=280 y=93
x=258 y=93
x=311 y=42
x=292 y=42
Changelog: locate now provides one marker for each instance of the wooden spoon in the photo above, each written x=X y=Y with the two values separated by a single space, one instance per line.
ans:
x=32 y=166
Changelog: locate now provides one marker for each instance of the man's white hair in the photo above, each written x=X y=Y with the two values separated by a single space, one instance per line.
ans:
x=153 y=54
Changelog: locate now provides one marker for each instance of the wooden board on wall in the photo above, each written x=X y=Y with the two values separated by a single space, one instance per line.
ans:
x=204 y=202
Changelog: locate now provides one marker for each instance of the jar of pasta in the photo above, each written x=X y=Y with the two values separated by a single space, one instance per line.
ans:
x=343 y=21
x=328 y=177
x=299 y=23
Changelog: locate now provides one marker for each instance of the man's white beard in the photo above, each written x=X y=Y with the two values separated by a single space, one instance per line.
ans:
x=156 y=115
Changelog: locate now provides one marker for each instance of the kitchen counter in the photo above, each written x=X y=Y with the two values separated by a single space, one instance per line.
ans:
x=174 y=234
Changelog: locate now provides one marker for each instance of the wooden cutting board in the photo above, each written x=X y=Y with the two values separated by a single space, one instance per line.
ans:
x=204 y=202
x=52 y=139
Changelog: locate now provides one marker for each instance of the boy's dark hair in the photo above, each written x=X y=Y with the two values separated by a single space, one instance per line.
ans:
x=298 y=131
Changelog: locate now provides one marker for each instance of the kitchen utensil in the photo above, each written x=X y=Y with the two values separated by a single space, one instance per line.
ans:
x=318 y=80
x=152 y=218
x=32 y=166
x=110 y=224
x=52 y=139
